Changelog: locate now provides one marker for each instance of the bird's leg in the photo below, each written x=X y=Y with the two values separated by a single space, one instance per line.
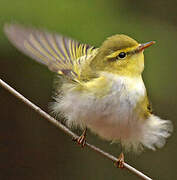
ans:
x=120 y=162
x=82 y=139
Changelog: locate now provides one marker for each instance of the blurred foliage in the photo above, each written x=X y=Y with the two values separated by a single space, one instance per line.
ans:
x=158 y=10
x=30 y=147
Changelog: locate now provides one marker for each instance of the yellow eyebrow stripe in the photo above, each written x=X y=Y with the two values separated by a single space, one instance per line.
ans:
x=114 y=54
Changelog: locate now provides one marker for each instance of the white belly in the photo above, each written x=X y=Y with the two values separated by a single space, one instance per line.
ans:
x=112 y=117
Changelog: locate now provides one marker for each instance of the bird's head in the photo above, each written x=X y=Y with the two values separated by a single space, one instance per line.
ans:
x=121 y=55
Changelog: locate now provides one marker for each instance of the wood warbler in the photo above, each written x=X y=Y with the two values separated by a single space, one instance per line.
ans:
x=102 y=88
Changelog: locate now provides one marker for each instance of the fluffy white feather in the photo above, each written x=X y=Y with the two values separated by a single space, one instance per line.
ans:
x=113 y=117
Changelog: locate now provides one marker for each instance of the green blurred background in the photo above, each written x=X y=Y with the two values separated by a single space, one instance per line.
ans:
x=33 y=149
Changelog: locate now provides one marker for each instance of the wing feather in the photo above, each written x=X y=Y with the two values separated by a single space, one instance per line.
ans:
x=61 y=54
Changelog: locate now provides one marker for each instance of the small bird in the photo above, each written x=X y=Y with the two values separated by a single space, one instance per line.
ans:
x=102 y=88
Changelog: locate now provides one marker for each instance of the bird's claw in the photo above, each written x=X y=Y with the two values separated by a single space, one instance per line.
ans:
x=120 y=162
x=81 y=140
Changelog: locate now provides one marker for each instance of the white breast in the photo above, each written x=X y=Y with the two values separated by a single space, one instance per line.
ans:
x=111 y=117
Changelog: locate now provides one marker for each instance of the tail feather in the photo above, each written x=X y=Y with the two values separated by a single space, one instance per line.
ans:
x=155 y=132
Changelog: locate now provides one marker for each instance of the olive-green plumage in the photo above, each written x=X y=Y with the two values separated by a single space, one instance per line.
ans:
x=102 y=87
x=107 y=56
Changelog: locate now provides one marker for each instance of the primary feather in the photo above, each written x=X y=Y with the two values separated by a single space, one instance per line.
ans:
x=61 y=54
x=108 y=94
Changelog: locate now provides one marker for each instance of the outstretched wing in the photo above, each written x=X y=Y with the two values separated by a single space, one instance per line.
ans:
x=61 y=54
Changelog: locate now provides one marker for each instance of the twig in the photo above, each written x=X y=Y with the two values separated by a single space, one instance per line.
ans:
x=69 y=132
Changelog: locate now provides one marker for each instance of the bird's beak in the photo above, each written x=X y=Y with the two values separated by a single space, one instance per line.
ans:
x=141 y=47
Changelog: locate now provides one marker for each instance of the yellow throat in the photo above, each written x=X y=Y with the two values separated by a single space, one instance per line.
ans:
x=121 y=55
x=102 y=87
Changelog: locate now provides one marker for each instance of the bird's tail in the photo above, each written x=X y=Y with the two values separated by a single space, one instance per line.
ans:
x=155 y=132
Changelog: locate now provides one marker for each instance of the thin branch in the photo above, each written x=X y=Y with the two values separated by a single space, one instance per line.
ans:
x=69 y=132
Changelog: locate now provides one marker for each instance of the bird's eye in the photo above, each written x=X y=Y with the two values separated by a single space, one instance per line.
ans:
x=121 y=55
